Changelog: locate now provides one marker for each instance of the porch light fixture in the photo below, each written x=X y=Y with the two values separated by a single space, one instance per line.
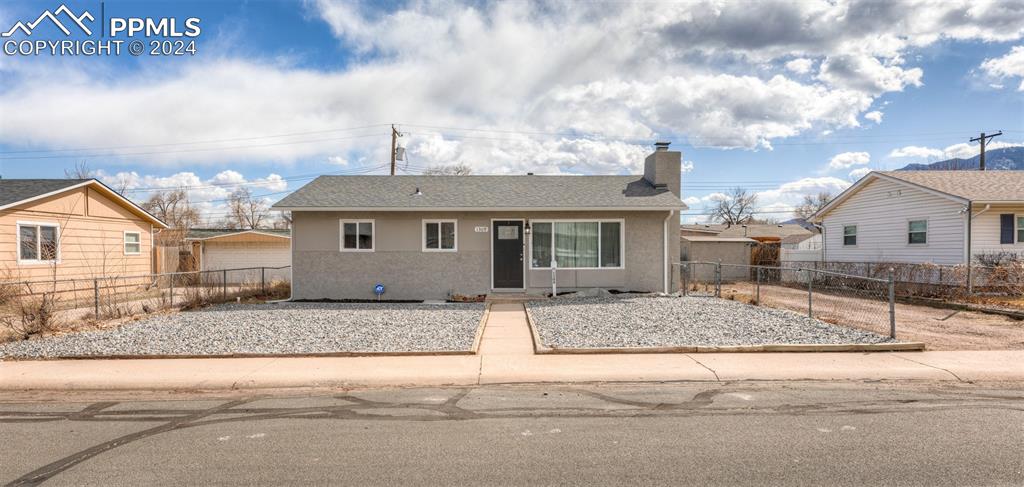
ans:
x=527 y=228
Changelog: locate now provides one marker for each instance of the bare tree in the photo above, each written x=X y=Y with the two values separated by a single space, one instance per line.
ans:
x=459 y=169
x=80 y=171
x=246 y=211
x=174 y=209
x=735 y=208
x=281 y=221
x=811 y=204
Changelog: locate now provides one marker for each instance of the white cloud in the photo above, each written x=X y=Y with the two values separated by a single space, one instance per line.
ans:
x=623 y=73
x=916 y=152
x=800 y=65
x=874 y=116
x=847 y=160
x=859 y=173
x=967 y=150
x=208 y=196
x=1009 y=66
x=868 y=74
x=691 y=201
x=789 y=195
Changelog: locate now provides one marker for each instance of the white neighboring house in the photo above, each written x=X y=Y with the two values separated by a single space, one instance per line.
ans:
x=925 y=217
x=218 y=249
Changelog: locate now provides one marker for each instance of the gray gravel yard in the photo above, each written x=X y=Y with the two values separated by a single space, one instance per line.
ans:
x=649 y=321
x=282 y=328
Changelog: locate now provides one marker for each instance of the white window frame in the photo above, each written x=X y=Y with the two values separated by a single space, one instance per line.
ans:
x=39 y=250
x=124 y=242
x=423 y=235
x=856 y=235
x=1017 y=228
x=622 y=242
x=925 y=220
x=341 y=234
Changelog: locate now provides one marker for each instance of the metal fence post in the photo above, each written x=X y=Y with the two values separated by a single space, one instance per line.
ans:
x=96 y=298
x=683 y=270
x=757 y=299
x=810 y=293
x=224 y=284
x=892 y=303
x=263 y=280
x=718 y=279
x=171 y=277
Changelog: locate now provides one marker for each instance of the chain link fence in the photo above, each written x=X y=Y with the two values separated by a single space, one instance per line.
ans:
x=36 y=306
x=867 y=303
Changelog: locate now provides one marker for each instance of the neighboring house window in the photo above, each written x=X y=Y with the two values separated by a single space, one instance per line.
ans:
x=37 y=242
x=850 y=235
x=132 y=243
x=917 y=232
x=357 y=235
x=577 y=244
x=1006 y=228
x=439 y=236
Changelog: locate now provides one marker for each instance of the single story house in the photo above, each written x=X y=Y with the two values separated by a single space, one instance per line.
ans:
x=72 y=228
x=939 y=217
x=214 y=249
x=428 y=237
x=727 y=250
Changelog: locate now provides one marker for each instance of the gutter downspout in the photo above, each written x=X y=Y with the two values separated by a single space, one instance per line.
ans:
x=665 y=269
x=970 y=218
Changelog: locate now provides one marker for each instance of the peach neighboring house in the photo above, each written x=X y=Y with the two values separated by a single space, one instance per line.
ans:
x=70 y=229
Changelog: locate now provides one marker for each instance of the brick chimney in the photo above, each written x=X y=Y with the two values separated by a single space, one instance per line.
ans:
x=662 y=168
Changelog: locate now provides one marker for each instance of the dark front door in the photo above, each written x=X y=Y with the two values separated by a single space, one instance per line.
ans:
x=507 y=254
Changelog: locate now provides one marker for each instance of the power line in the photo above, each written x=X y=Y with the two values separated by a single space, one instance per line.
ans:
x=240 y=139
x=179 y=151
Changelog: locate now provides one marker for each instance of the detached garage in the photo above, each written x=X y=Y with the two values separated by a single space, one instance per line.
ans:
x=217 y=249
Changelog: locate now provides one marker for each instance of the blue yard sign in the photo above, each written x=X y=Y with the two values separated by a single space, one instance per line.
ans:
x=378 y=289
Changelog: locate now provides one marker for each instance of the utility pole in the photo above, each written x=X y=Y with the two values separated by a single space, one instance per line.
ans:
x=395 y=134
x=982 y=140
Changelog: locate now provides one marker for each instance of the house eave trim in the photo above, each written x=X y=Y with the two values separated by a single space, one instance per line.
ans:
x=478 y=208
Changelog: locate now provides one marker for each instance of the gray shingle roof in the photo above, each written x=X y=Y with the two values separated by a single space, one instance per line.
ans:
x=970 y=185
x=201 y=233
x=15 y=190
x=473 y=192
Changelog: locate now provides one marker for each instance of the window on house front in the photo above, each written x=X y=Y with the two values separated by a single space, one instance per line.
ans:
x=850 y=235
x=917 y=232
x=357 y=235
x=132 y=243
x=576 y=244
x=1020 y=229
x=439 y=236
x=37 y=242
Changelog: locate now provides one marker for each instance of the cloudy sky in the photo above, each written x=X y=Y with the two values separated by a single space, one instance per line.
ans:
x=783 y=98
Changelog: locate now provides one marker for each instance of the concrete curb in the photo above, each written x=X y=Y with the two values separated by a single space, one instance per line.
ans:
x=540 y=349
x=480 y=329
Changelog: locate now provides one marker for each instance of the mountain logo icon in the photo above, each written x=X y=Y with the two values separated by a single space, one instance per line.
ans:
x=53 y=17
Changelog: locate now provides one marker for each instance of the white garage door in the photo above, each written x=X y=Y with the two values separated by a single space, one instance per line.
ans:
x=219 y=256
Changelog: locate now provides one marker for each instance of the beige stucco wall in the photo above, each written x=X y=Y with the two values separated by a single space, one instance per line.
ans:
x=726 y=252
x=91 y=238
x=320 y=270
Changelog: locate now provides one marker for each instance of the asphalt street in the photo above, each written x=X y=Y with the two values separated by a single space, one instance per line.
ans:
x=767 y=433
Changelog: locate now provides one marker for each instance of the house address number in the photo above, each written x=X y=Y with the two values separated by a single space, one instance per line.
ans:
x=480 y=229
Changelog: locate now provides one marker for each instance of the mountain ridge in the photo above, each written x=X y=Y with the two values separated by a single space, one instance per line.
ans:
x=1003 y=159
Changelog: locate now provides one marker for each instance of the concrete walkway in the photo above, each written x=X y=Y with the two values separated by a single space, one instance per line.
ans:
x=506 y=356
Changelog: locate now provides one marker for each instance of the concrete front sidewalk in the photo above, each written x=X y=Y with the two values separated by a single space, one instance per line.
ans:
x=505 y=356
